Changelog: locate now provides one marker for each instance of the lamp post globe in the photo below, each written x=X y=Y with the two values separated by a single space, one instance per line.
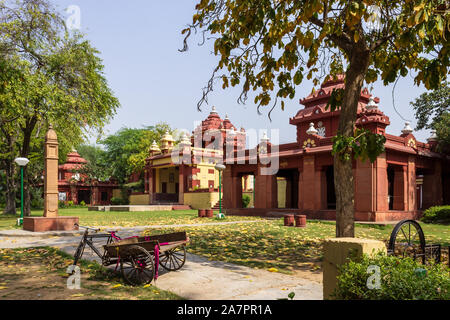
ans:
x=21 y=162
x=220 y=167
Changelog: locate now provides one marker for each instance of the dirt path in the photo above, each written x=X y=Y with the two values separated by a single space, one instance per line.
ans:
x=202 y=279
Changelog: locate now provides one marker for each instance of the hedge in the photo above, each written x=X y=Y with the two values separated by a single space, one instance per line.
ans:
x=437 y=214
x=400 y=279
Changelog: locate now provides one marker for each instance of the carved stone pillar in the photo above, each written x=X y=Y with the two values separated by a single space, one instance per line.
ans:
x=51 y=174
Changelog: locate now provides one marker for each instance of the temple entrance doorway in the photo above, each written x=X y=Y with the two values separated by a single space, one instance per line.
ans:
x=287 y=188
x=248 y=188
x=331 y=194
x=390 y=176
x=84 y=195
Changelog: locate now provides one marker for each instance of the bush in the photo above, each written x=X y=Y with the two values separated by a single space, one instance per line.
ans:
x=400 y=279
x=245 y=200
x=116 y=201
x=82 y=204
x=61 y=204
x=37 y=204
x=436 y=214
x=37 y=201
x=69 y=204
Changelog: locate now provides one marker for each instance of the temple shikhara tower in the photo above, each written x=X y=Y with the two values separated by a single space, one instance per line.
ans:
x=408 y=177
x=184 y=175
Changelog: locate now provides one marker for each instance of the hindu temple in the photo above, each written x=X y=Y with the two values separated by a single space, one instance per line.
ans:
x=185 y=174
x=407 y=178
x=72 y=185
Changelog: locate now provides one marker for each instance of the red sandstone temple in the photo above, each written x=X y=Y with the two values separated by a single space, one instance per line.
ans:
x=72 y=187
x=407 y=178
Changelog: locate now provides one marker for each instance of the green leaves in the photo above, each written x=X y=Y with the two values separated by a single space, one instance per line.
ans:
x=363 y=145
x=432 y=110
x=335 y=101
x=127 y=149
x=251 y=35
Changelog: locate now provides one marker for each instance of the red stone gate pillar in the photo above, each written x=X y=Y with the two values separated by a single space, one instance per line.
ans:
x=95 y=196
x=381 y=189
x=365 y=187
x=266 y=191
x=73 y=194
x=181 y=184
x=308 y=181
x=411 y=188
x=227 y=183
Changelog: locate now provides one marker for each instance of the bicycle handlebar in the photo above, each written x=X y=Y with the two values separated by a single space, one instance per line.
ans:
x=87 y=228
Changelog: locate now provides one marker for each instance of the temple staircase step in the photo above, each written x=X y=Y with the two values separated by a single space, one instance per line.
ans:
x=181 y=207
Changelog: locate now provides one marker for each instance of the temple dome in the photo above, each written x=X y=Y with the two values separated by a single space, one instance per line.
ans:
x=73 y=161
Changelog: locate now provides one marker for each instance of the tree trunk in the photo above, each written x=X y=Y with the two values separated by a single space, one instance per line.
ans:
x=343 y=173
x=27 y=133
x=10 y=205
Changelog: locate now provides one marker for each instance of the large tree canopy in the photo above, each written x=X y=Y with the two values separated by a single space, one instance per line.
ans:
x=433 y=112
x=53 y=76
x=126 y=150
x=270 y=46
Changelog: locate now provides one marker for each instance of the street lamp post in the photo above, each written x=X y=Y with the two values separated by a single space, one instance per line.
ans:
x=21 y=162
x=220 y=167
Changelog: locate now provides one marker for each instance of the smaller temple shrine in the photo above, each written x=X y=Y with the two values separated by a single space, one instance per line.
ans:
x=72 y=185
x=185 y=174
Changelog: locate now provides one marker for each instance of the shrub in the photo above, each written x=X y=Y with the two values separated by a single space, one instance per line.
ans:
x=116 y=201
x=437 y=214
x=37 y=204
x=37 y=200
x=69 y=204
x=62 y=204
x=83 y=204
x=400 y=279
x=245 y=200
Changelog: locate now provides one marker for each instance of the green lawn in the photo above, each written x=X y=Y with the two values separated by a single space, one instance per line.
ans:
x=126 y=219
x=268 y=244
x=264 y=244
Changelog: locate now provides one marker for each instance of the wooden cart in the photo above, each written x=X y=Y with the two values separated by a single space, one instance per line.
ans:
x=140 y=257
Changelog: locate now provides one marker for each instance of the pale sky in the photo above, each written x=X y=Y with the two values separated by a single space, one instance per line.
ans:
x=139 y=42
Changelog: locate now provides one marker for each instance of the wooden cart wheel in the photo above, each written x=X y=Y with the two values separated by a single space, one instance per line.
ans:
x=174 y=259
x=407 y=239
x=137 y=266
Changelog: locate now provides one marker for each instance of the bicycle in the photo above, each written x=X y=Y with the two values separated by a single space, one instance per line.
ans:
x=87 y=239
x=138 y=257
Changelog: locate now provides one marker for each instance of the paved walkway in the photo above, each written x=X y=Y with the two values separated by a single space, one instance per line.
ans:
x=199 y=279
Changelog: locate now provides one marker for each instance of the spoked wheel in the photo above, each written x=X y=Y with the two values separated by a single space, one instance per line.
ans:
x=407 y=240
x=79 y=253
x=137 y=266
x=173 y=259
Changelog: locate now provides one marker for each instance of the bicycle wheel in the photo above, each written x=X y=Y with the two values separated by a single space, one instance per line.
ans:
x=174 y=259
x=137 y=266
x=79 y=252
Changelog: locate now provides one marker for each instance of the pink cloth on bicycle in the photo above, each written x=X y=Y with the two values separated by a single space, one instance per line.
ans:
x=156 y=261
